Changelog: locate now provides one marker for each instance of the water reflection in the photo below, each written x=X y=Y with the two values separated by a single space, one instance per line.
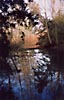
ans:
x=37 y=77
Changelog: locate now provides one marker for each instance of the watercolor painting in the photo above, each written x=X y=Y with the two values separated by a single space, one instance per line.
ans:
x=31 y=49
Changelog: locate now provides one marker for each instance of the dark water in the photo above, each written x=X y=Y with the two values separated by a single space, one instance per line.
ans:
x=40 y=76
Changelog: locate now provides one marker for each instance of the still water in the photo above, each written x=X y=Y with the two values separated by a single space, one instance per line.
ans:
x=40 y=76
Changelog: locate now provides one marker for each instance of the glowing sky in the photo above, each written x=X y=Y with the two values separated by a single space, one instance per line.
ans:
x=44 y=4
x=47 y=4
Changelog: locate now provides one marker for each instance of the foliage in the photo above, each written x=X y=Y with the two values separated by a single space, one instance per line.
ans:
x=56 y=29
x=14 y=13
x=51 y=28
x=60 y=28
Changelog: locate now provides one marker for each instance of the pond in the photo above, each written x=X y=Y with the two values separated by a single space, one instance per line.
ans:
x=40 y=76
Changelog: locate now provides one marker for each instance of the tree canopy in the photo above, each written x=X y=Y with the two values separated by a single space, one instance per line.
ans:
x=13 y=12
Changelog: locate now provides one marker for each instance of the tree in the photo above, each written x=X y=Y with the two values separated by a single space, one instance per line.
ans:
x=60 y=30
x=13 y=14
x=56 y=29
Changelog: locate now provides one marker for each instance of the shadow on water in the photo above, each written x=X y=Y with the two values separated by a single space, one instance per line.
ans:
x=32 y=75
x=7 y=94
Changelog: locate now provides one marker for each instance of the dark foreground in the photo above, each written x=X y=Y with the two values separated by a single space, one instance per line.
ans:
x=37 y=75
